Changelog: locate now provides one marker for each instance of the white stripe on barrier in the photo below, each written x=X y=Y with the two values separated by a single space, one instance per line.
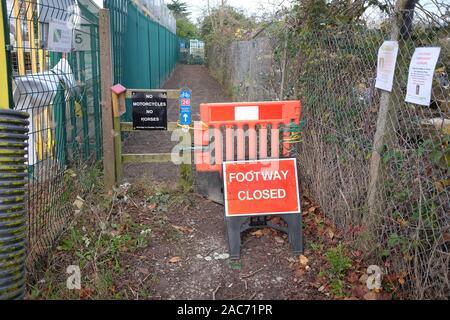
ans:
x=246 y=113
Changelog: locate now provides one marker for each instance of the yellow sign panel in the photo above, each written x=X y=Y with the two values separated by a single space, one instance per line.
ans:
x=4 y=88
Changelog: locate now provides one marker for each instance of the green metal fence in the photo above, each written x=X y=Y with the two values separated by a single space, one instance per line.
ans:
x=61 y=91
x=118 y=11
x=144 y=51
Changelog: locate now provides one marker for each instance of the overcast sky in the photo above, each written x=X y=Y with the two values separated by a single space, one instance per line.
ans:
x=250 y=7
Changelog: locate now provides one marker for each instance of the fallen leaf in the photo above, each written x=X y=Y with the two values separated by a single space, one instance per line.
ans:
x=402 y=222
x=356 y=253
x=123 y=228
x=330 y=233
x=318 y=220
x=85 y=293
x=79 y=202
x=279 y=240
x=151 y=206
x=359 y=291
x=370 y=296
x=299 y=273
x=175 y=260
x=303 y=260
x=363 y=278
x=312 y=209
x=439 y=186
x=258 y=233
x=352 y=277
x=183 y=229
x=114 y=233
x=401 y=281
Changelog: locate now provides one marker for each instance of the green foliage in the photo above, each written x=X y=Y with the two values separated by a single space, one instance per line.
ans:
x=160 y=200
x=179 y=9
x=339 y=265
x=186 y=181
x=225 y=24
x=338 y=260
x=186 y=29
x=317 y=14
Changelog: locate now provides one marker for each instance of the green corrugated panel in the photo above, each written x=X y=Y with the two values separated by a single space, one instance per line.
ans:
x=144 y=52
x=154 y=54
x=161 y=54
x=143 y=70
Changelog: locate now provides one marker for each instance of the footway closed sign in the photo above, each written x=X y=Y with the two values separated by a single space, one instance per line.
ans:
x=261 y=187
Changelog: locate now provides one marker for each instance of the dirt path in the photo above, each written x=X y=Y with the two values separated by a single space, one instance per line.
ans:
x=266 y=268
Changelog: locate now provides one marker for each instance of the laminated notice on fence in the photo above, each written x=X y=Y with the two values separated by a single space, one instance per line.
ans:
x=261 y=187
x=421 y=72
x=149 y=110
x=387 y=59
x=60 y=35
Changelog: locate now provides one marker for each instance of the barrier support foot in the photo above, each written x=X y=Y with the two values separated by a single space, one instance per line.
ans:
x=234 y=228
x=295 y=231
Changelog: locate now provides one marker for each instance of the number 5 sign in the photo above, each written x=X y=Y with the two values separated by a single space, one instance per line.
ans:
x=82 y=39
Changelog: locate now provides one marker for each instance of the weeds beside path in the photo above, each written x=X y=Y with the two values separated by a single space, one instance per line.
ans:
x=161 y=243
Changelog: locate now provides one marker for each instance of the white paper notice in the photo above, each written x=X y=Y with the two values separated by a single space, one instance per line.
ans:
x=60 y=36
x=421 y=72
x=387 y=59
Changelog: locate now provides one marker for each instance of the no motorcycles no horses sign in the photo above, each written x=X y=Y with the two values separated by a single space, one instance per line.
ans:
x=262 y=187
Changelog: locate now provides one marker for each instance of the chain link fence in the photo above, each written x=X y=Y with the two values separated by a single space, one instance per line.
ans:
x=379 y=167
x=61 y=91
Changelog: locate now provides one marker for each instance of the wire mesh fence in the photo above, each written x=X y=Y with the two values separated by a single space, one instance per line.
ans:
x=61 y=91
x=378 y=166
x=160 y=13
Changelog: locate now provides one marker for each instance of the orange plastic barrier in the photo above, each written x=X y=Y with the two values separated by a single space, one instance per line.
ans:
x=235 y=119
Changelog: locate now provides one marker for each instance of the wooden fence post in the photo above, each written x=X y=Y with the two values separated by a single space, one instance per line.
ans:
x=118 y=102
x=385 y=132
x=107 y=116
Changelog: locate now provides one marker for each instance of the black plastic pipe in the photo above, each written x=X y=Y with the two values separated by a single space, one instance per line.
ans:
x=13 y=202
